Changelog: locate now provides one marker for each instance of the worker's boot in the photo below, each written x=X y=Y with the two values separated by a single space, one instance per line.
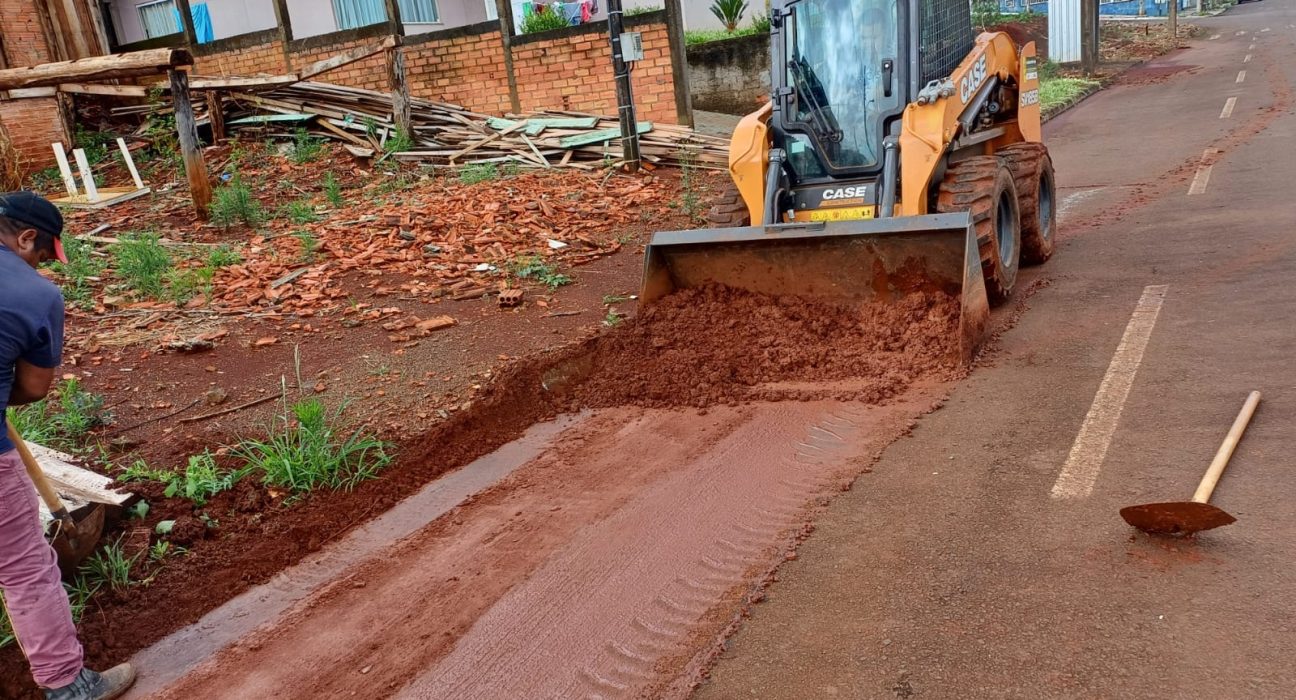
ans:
x=91 y=685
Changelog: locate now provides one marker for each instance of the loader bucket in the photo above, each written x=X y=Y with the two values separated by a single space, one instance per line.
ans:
x=847 y=261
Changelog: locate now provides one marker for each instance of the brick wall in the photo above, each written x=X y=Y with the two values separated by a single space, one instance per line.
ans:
x=466 y=70
x=569 y=69
x=261 y=58
x=33 y=124
x=24 y=39
x=574 y=72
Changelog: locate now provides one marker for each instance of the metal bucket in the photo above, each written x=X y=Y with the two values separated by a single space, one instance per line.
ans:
x=848 y=261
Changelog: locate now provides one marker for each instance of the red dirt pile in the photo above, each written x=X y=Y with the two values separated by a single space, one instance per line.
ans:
x=719 y=345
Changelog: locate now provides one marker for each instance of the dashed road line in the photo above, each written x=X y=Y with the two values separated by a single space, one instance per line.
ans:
x=1247 y=58
x=1229 y=104
x=1265 y=29
x=1213 y=37
x=1241 y=76
x=1080 y=472
x=1240 y=32
x=1200 y=180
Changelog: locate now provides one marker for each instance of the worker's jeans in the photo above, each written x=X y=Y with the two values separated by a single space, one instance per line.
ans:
x=29 y=579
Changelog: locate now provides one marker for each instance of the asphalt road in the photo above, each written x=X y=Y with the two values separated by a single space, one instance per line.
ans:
x=984 y=555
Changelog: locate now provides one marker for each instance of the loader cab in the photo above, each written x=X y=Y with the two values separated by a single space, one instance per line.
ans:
x=843 y=81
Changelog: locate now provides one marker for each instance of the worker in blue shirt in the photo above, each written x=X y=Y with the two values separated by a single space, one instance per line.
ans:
x=31 y=346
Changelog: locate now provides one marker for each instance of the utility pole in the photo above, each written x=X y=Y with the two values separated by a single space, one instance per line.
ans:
x=1173 y=19
x=625 y=97
x=1089 y=36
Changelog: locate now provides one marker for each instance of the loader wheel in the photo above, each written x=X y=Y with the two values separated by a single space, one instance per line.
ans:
x=729 y=209
x=983 y=186
x=1032 y=171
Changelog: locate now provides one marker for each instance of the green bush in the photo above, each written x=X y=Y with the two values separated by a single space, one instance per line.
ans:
x=202 y=479
x=729 y=12
x=142 y=263
x=543 y=22
x=308 y=449
x=233 y=203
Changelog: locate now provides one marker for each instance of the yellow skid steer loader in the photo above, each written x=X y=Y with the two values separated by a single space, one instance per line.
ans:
x=898 y=153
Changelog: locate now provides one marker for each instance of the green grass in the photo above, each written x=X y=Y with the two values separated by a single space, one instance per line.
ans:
x=109 y=567
x=531 y=267
x=543 y=22
x=309 y=244
x=399 y=142
x=478 y=172
x=306 y=148
x=62 y=420
x=139 y=470
x=309 y=449
x=233 y=203
x=202 y=479
x=300 y=212
x=759 y=25
x=80 y=273
x=333 y=190
x=142 y=263
x=1058 y=91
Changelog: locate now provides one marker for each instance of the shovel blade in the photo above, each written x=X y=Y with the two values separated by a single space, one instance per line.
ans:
x=75 y=546
x=1181 y=518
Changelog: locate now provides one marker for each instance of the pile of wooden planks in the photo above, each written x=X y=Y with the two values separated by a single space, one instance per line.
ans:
x=446 y=135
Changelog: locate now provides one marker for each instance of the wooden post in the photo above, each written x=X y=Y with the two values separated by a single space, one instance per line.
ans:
x=394 y=17
x=195 y=168
x=504 y=9
x=1089 y=36
x=1172 y=21
x=284 y=22
x=217 y=115
x=679 y=62
x=186 y=23
x=399 y=90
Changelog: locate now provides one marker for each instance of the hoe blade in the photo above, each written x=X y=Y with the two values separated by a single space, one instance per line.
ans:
x=843 y=262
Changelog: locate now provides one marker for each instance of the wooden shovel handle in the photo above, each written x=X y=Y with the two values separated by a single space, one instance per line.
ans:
x=1207 y=485
x=47 y=492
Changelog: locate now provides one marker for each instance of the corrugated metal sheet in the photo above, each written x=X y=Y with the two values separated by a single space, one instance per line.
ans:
x=1064 y=31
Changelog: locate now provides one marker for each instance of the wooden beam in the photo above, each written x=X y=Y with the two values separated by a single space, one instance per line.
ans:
x=96 y=89
x=504 y=8
x=399 y=90
x=284 y=21
x=253 y=81
x=342 y=59
x=216 y=115
x=679 y=62
x=195 y=168
x=124 y=65
x=186 y=23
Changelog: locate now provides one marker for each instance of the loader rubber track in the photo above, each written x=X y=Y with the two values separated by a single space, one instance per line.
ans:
x=729 y=209
x=1032 y=171
x=978 y=185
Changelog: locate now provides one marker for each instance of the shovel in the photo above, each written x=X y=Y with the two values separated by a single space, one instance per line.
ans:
x=72 y=540
x=1187 y=517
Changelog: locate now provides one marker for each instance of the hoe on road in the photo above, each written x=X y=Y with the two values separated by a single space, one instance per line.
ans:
x=1187 y=517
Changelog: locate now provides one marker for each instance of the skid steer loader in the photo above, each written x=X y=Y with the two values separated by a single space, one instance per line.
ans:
x=899 y=152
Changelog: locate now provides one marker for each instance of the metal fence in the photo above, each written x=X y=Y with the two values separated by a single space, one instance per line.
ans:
x=946 y=37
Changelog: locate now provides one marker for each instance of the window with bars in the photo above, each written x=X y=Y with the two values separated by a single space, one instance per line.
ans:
x=362 y=13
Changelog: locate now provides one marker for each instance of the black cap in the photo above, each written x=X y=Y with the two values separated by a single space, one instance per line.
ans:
x=37 y=212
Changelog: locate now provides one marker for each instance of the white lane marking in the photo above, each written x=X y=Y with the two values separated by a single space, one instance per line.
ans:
x=1247 y=58
x=1229 y=104
x=1240 y=32
x=1265 y=29
x=1214 y=37
x=1200 y=180
x=1073 y=199
x=1090 y=448
x=1241 y=76
x=1251 y=47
